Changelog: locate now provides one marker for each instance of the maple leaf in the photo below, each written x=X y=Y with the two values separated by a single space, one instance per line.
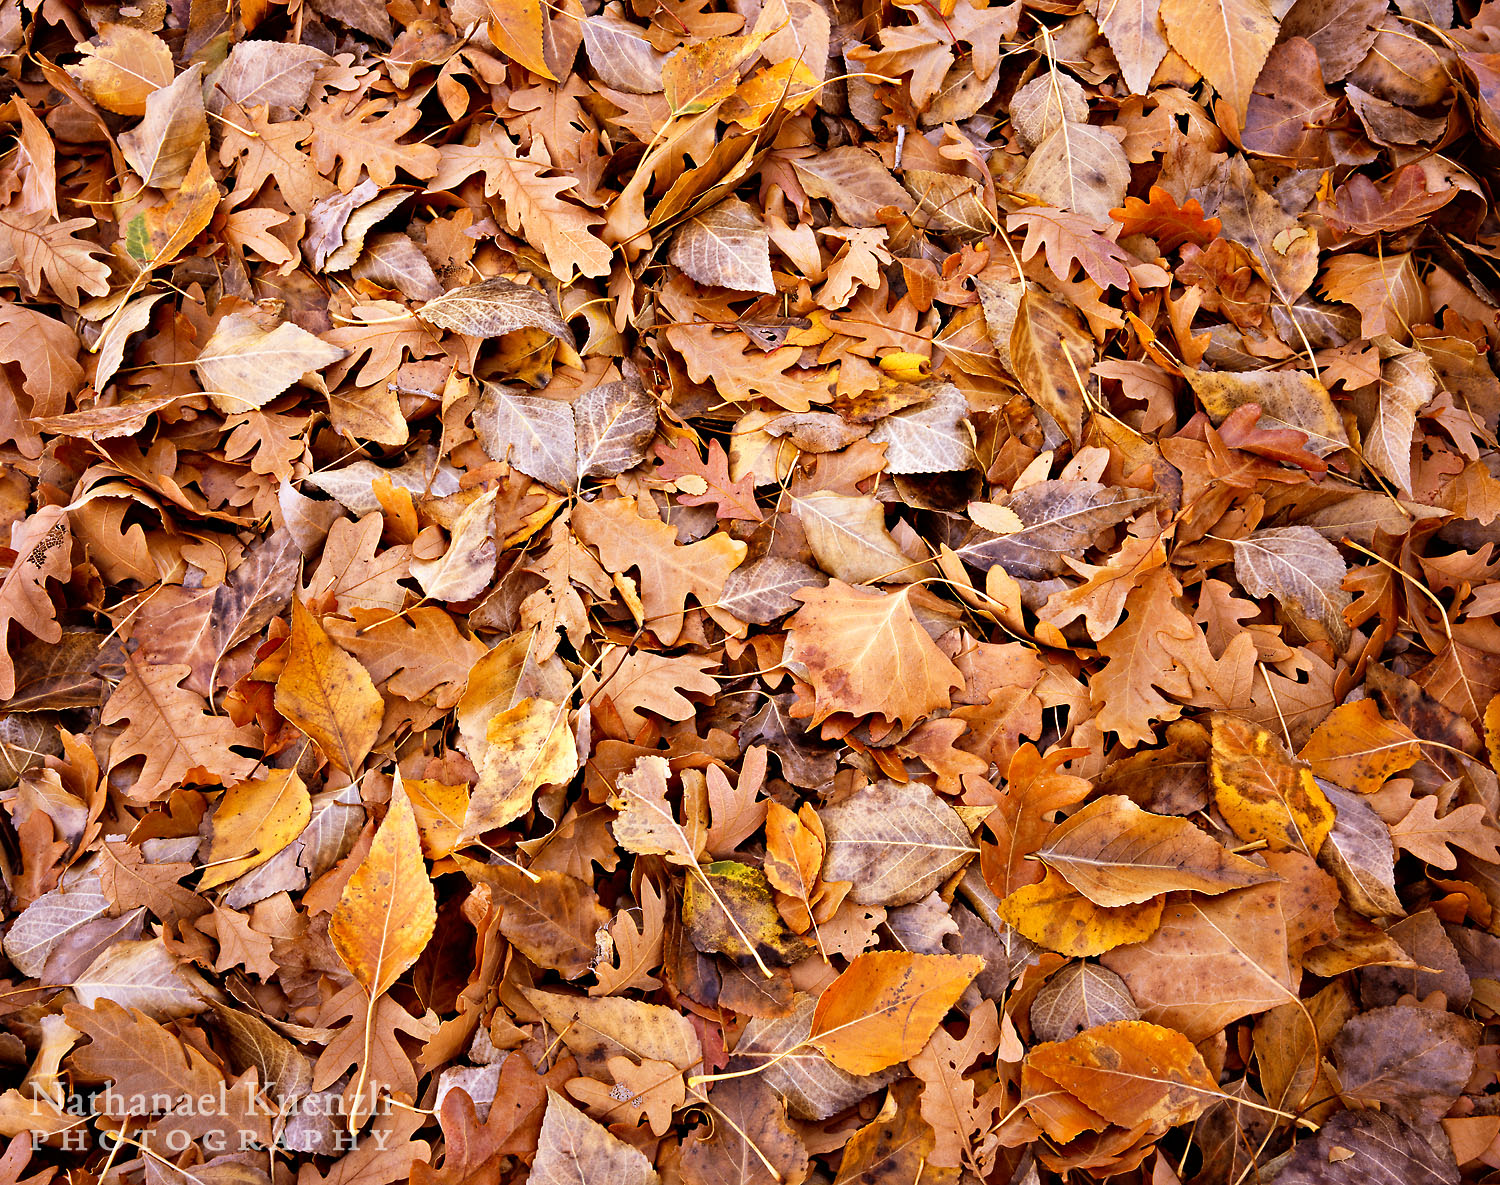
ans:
x=732 y=499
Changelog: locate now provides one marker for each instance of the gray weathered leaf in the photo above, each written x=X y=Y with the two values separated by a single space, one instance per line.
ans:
x=353 y=486
x=1407 y=385
x=814 y=1088
x=1360 y=855
x=948 y=203
x=1300 y=569
x=761 y=591
x=144 y=974
x=360 y=222
x=615 y=425
x=1079 y=997
x=929 y=438
x=494 y=307
x=1061 y=517
x=621 y=54
x=392 y=260
x=466 y=568
x=1371 y=1148
x=274 y=73
x=895 y=842
x=1412 y=1061
x=572 y=1149
x=726 y=246
x=529 y=432
x=1045 y=103
x=49 y=919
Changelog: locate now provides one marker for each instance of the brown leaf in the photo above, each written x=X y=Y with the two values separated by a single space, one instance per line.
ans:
x=327 y=694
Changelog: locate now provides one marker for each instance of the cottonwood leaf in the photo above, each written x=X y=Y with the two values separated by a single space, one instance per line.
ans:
x=467 y=567
x=727 y=245
x=813 y=1086
x=1358 y=748
x=752 y=1144
x=1116 y=854
x=929 y=438
x=1359 y=854
x=1051 y=354
x=388 y=910
x=495 y=307
x=327 y=694
x=1286 y=252
x=1060 y=518
x=1286 y=398
x=279 y=75
x=615 y=425
x=1211 y=961
x=1055 y=915
x=1407 y=385
x=866 y=652
x=1262 y=792
x=1227 y=41
x=948 y=203
x=855 y=181
x=572 y=1148
x=1134 y=31
x=244 y=366
x=848 y=538
x=253 y=821
x=1079 y=168
x=174 y=130
x=1370 y=1147
x=646 y=823
x=622 y=54
x=530 y=432
x=529 y=745
x=1300 y=569
x=597 y=1030
x=1081 y=996
x=1411 y=1061
x=123 y=67
x=765 y=589
x=728 y=909
x=885 y=1006
x=1133 y=1073
x=894 y=842
x=549 y=916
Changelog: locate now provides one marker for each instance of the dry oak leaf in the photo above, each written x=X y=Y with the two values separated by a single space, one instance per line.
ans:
x=1055 y=915
x=1263 y=793
x=1133 y=1073
x=328 y=694
x=174 y=731
x=1146 y=656
x=252 y=821
x=670 y=573
x=534 y=204
x=1035 y=789
x=1161 y=218
x=640 y=681
x=1211 y=961
x=649 y=1090
x=43 y=547
x=1116 y=854
x=574 y=1150
x=636 y=947
x=894 y=843
x=244 y=366
x=730 y=499
x=1072 y=238
x=46 y=250
x=867 y=652
x=1358 y=748
x=1429 y=838
x=388 y=909
x=884 y=1007
x=466 y=568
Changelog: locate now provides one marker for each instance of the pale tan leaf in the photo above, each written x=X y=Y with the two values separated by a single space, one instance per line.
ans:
x=728 y=246
x=1300 y=569
x=244 y=365
x=495 y=307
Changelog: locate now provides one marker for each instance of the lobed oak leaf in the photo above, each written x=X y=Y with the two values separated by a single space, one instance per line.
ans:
x=731 y=499
x=1429 y=837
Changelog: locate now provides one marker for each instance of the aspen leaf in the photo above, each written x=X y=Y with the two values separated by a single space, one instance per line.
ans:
x=1358 y=748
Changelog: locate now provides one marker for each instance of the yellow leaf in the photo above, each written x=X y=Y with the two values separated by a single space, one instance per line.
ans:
x=788 y=85
x=1054 y=914
x=1262 y=793
x=698 y=76
x=885 y=1006
x=907 y=367
x=388 y=909
x=440 y=810
x=1358 y=748
x=518 y=30
x=530 y=745
x=327 y=694
x=252 y=822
